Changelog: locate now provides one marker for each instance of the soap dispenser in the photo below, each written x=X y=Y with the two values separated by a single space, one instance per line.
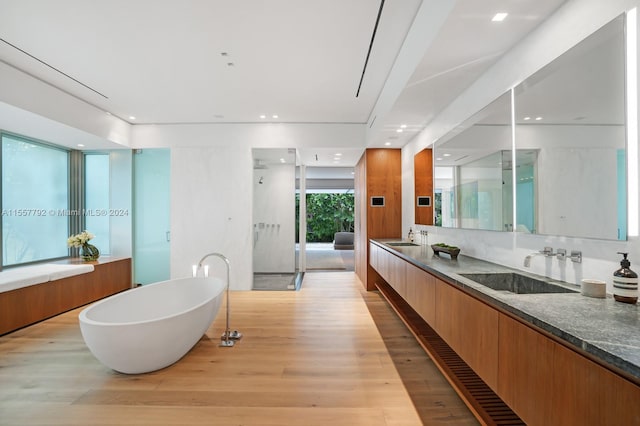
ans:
x=410 y=235
x=625 y=282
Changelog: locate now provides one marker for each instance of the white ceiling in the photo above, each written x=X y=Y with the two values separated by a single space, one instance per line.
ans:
x=168 y=61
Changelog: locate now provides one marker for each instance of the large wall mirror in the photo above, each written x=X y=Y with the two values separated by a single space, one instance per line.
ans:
x=472 y=165
x=570 y=117
x=570 y=156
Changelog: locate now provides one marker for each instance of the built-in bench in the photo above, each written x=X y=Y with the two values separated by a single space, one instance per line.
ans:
x=15 y=278
x=36 y=292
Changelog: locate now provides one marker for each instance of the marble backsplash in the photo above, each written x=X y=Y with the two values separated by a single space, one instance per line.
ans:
x=599 y=257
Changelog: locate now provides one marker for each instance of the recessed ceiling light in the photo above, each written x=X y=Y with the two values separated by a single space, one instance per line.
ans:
x=80 y=145
x=282 y=160
x=387 y=143
x=338 y=154
x=527 y=118
x=499 y=17
x=399 y=130
x=403 y=126
x=131 y=117
x=263 y=116
x=274 y=116
x=446 y=155
x=538 y=118
x=439 y=159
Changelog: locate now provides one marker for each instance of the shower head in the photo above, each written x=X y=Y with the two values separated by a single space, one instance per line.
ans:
x=261 y=180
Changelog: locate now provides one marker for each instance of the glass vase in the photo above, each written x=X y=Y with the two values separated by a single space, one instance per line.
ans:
x=89 y=252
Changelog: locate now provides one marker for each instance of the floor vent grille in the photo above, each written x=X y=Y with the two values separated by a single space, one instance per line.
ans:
x=484 y=402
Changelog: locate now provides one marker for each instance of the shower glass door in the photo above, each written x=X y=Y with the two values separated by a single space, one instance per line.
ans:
x=151 y=203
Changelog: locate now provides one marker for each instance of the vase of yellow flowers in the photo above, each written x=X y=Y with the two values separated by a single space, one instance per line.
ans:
x=88 y=252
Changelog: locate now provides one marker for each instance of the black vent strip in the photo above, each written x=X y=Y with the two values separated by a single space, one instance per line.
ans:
x=373 y=36
x=481 y=400
x=52 y=67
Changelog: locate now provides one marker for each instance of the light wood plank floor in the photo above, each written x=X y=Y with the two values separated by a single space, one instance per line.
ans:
x=312 y=357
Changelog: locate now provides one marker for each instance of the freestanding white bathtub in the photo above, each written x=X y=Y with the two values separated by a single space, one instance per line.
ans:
x=153 y=326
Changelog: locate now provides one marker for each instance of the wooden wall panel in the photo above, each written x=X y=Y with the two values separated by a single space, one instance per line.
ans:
x=378 y=173
x=423 y=177
x=384 y=178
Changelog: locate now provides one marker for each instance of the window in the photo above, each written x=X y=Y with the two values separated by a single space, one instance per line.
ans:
x=96 y=174
x=35 y=201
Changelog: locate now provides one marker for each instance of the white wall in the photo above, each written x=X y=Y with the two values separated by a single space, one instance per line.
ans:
x=211 y=211
x=570 y=24
x=212 y=185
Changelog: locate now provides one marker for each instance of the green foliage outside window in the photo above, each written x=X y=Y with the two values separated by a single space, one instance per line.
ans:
x=326 y=215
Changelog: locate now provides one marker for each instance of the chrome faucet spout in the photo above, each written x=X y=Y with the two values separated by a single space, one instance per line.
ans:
x=546 y=252
x=229 y=336
x=216 y=255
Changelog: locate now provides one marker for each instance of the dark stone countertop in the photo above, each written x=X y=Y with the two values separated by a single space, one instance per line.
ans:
x=606 y=329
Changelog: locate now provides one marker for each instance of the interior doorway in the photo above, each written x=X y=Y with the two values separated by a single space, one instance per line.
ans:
x=328 y=192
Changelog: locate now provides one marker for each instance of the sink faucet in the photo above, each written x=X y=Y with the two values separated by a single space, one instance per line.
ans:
x=546 y=252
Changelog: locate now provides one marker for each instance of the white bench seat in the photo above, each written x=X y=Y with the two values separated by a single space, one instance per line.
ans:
x=24 y=276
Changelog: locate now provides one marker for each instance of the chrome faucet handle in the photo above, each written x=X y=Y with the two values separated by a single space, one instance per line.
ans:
x=547 y=251
x=576 y=256
x=561 y=254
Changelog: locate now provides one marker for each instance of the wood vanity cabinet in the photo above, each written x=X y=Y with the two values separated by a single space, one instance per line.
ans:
x=470 y=327
x=548 y=383
x=421 y=292
x=542 y=380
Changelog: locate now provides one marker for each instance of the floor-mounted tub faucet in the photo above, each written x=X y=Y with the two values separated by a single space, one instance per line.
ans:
x=546 y=252
x=229 y=336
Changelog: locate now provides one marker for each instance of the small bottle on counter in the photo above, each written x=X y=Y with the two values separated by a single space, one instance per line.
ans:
x=410 y=236
x=625 y=282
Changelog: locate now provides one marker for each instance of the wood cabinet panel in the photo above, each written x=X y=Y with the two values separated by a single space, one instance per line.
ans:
x=479 y=339
x=526 y=360
x=397 y=274
x=470 y=327
x=374 y=257
x=421 y=293
x=447 y=323
x=546 y=383
x=586 y=393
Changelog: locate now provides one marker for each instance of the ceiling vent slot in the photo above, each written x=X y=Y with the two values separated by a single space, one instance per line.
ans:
x=373 y=36
x=53 y=68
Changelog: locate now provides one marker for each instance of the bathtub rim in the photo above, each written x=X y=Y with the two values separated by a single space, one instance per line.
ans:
x=83 y=314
